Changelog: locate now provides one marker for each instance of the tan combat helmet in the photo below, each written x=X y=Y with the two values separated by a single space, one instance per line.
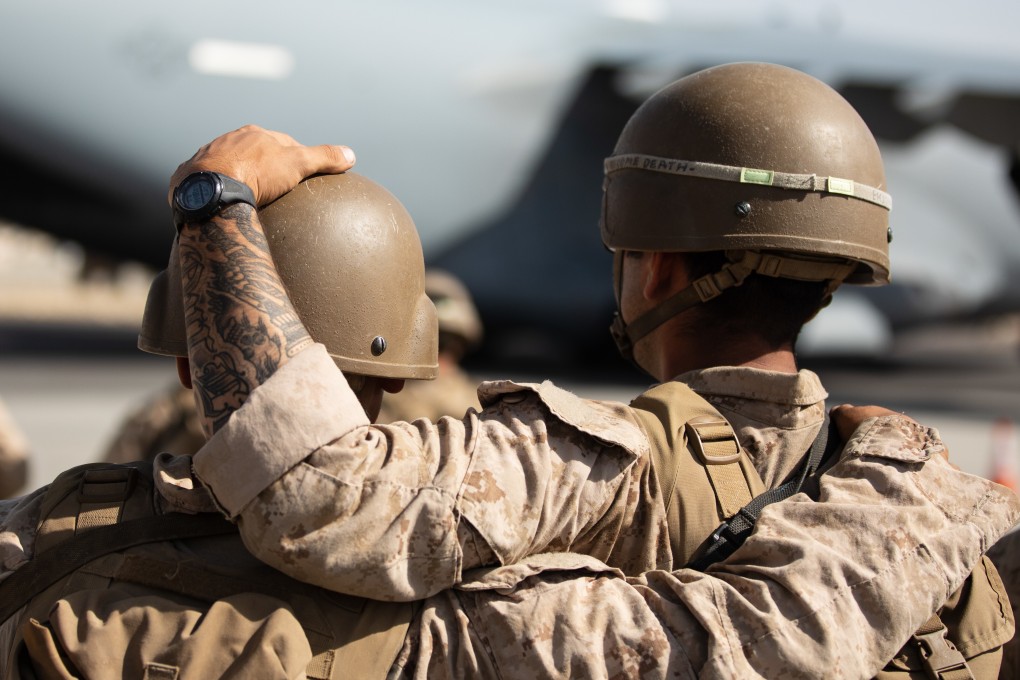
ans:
x=455 y=308
x=761 y=161
x=351 y=260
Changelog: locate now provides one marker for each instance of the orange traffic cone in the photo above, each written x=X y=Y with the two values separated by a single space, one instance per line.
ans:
x=1004 y=453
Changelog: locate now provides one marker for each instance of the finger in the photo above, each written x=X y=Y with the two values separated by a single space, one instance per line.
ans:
x=845 y=421
x=849 y=417
x=327 y=159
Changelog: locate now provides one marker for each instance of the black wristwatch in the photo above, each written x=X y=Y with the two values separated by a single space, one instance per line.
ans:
x=203 y=194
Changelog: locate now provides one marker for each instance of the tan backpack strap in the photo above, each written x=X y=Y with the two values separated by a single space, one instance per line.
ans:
x=87 y=497
x=942 y=660
x=702 y=473
x=101 y=496
x=373 y=645
x=715 y=444
x=667 y=467
x=60 y=561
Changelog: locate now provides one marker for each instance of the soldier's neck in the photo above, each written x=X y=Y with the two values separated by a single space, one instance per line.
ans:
x=695 y=355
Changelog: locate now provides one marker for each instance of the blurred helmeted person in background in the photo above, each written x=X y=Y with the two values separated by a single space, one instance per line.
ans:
x=736 y=201
x=167 y=421
x=13 y=455
x=453 y=391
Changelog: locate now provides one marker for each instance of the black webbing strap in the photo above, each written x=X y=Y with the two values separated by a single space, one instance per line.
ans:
x=50 y=566
x=732 y=533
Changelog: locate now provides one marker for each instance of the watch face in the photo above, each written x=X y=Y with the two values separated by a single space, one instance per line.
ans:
x=197 y=191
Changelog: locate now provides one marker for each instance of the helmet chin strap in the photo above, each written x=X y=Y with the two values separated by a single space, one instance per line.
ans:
x=711 y=286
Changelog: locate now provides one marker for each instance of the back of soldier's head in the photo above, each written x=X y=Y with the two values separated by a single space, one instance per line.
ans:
x=763 y=166
x=351 y=260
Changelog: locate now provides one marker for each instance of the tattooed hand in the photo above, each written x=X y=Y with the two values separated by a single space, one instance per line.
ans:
x=271 y=163
x=241 y=324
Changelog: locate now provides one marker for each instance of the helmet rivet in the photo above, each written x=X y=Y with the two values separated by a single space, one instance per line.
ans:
x=888 y=235
x=743 y=209
x=378 y=345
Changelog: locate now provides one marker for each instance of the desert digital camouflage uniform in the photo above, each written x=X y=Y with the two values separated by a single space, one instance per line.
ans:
x=13 y=455
x=776 y=417
x=452 y=393
x=567 y=615
x=416 y=504
x=402 y=511
x=1005 y=554
x=166 y=422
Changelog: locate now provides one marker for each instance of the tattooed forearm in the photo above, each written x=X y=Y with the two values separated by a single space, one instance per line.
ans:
x=223 y=388
x=241 y=324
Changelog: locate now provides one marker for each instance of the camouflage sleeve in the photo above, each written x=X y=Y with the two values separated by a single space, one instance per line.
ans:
x=398 y=511
x=822 y=589
x=13 y=455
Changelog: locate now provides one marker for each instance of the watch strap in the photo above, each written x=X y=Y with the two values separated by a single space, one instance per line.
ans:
x=231 y=191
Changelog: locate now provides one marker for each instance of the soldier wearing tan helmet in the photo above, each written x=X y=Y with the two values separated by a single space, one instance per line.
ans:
x=735 y=202
x=377 y=323
x=640 y=486
x=167 y=421
x=116 y=571
x=170 y=421
x=453 y=391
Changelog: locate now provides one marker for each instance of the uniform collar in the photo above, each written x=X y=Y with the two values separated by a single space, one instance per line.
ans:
x=796 y=389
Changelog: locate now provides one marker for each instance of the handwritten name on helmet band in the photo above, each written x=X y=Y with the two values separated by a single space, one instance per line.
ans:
x=730 y=173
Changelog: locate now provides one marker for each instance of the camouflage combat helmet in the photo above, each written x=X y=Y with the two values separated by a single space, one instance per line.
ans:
x=351 y=260
x=761 y=161
x=454 y=307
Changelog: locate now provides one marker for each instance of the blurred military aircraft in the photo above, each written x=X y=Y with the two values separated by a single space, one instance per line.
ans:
x=490 y=122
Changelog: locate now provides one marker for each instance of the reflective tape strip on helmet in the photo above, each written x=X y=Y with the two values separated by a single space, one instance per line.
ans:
x=730 y=173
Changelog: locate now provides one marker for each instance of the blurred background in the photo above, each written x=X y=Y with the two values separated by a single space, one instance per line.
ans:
x=490 y=122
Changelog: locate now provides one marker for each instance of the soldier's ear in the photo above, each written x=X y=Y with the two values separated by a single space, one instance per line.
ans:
x=392 y=385
x=663 y=275
x=184 y=371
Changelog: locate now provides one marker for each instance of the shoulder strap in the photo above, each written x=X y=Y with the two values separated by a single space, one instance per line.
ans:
x=67 y=557
x=703 y=474
x=732 y=533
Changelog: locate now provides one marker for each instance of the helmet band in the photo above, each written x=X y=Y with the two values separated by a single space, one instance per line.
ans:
x=731 y=173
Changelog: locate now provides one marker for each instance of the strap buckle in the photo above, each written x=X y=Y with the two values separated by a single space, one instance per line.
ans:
x=939 y=656
x=716 y=547
x=719 y=535
x=713 y=440
x=107 y=486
